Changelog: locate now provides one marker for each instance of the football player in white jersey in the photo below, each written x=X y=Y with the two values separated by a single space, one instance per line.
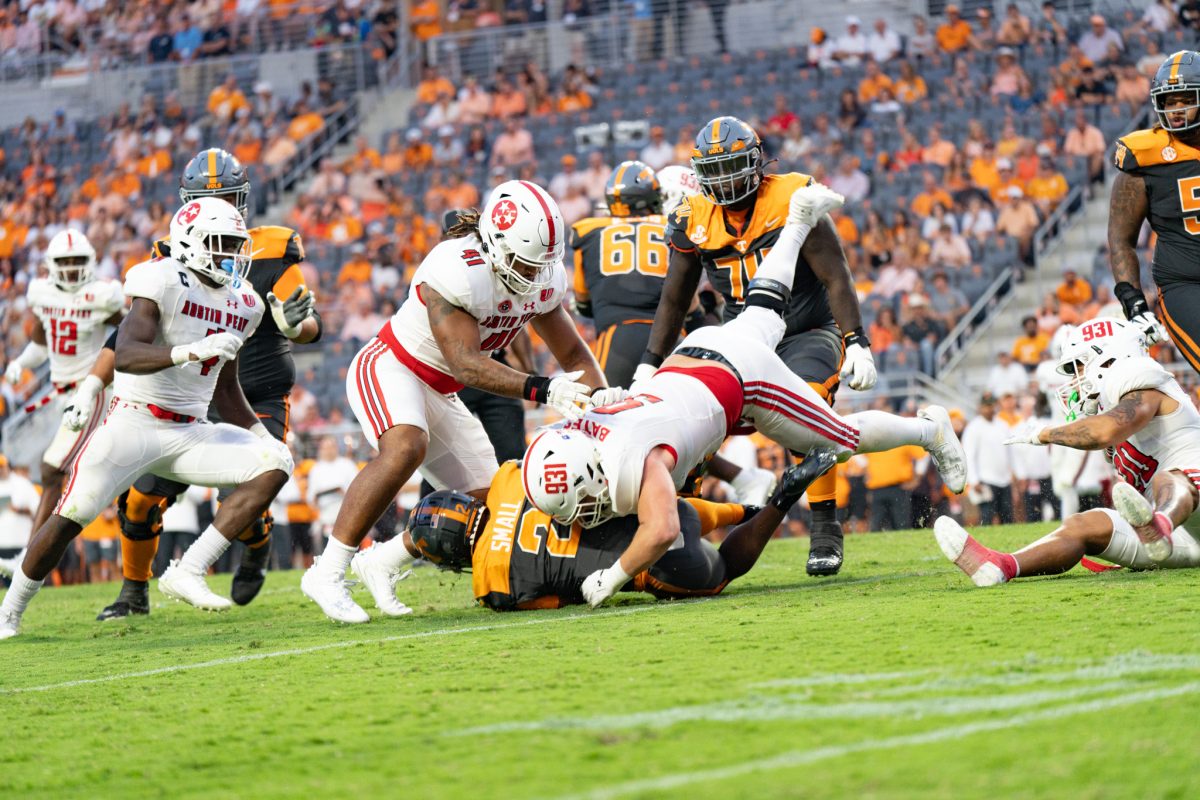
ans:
x=72 y=308
x=1122 y=401
x=631 y=457
x=677 y=183
x=176 y=352
x=495 y=273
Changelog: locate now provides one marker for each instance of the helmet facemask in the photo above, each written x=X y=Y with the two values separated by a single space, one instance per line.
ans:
x=727 y=178
x=511 y=271
x=1189 y=110
x=71 y=272
x=218 y=256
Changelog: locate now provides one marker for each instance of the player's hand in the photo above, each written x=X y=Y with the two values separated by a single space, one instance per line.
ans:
x=13 y=372
x=290 y=314
x=810 y=203
x=607 y=396
x=858 y=368
x=1150 y=327
x=643 y=373
x=753 y=486
x=222 y=345
x=79 y=411
x=1027 y=433
x=595 y=590
x=568 y=396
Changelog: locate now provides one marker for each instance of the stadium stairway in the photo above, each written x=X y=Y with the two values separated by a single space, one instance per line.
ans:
x=1076 y=249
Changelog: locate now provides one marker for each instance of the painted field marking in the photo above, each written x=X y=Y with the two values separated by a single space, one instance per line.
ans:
x=797 y=758
x=300 y=651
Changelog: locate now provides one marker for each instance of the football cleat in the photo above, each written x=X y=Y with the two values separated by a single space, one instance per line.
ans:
x=1152 y=527
x=251 y=574
x=984 y=566
x=10 y=624
x=824 y=549
x=947 y=451
x=380 y=581
x=120 y=610
x=133 y=599
x=180 y=583
x=328 y=590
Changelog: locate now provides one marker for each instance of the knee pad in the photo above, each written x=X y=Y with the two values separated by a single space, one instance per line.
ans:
x=140 y=515
x=259 y=532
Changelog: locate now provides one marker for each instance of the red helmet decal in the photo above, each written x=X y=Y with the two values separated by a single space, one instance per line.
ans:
x=504 y=215
x=188 y=213
x=547 y=294
x=248 y=299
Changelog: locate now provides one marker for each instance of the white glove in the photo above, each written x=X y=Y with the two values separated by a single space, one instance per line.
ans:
x=810 y=203
x=1150 y=327
x=754 y=486
x=603 y=584
x=13 y=372
x=220 y=345
x=607 y=396
x=290 y=314
x=643 y=373
x=79 y=411
x=1027 y=433
x=858 y=369
x=567 y=395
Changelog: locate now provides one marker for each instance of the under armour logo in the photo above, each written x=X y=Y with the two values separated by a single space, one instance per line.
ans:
x=530 y=306
x=230 y=303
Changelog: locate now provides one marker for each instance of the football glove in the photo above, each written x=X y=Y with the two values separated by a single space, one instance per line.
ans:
x=1138 y=312
x=858 y=367
x=607 y=396
x=13 y=372
x=290 y=314
x=77 y=414
x=1150 y=327
x=222 y=345
x=753 y=485
x=567 y=395
x=1027 y=433
x=603 y=584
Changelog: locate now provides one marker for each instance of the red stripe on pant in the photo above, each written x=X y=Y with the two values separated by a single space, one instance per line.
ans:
x=807 y=415
x=360 y=379
x=75 y=472
x=93 y=423
x=376 y=391
x=831 y=419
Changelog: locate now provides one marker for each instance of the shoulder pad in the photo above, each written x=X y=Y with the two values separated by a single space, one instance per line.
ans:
x=586 y=226
x=149 y=279
x=1130 y=375
x=1150 y=147
x=277 y=242
x=161 y=248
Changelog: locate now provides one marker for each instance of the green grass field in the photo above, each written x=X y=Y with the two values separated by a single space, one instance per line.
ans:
x=896 y=679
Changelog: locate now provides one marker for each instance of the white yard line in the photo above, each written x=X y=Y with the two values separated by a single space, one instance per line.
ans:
x=524 y=623
x=797 y=758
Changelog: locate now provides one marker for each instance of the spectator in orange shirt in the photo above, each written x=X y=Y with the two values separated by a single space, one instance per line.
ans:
x=910 y=87
x=954 y=34
x=931 y=194
x=474 y=102
x=418 y=153
x=1073 y=291
x=459 y=193
x=1086 y=140
x=873 y=82
x=513 y=146
x=364 y=158
x=983 y=170
x=1018 y=218
x=392 y=160
x=938 y=151
x=226 y=99
x=357 y=268
x=1007 y=173
x=1029 y=347
x=425 y=19
x=247 y=148
x=432 y=86
x=305 y=123
x=847 y=230
x=1048 y=187
x=280 y=150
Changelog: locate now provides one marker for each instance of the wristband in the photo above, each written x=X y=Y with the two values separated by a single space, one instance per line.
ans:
x=1133 y=302
x=653 y=359
x=858 y=337
x=614 y=577
x=181 y=354
x=537 y=388
x=92 y=385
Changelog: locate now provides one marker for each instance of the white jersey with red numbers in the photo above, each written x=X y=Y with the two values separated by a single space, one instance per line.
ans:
x=74 y=324
x=1170 y=441
x=189 y=311
x=671 y=410
x=457 y=270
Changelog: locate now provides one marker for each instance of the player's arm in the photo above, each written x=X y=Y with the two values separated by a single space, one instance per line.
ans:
x=520 y=352
x=138 y=355
x=683 y=276
x=1128 y=207
x=230 y=401
x=457 y=335
x=1109 y=429
x=32 y=357
x=569 y=350
x=823 y=252
x=658 y=528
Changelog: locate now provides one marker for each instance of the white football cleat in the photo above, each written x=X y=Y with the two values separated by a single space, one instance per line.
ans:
x=10 y=624
x=977 y=561
x=180 y=583
x=947 y=451
x=754 y=486
x=1153 y=528
x=328 y=590
x=380 y=581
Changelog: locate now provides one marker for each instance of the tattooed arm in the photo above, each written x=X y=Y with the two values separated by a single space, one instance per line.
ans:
x=457 y=334
x=1135 y=410
x=1128 y=207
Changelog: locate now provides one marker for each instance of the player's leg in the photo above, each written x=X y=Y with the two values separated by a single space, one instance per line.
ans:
x=459 y=457
x=503 y=419
x=140 y=510
x=59 y=458
x=1178 y=300
x=251 y=573
x=390 y=403
x=620 y=348
x=219 y=455
x=109 y=460
x=1175 y=497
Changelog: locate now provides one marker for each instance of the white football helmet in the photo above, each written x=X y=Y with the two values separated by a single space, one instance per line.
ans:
x=523 y=236
x=70 y=260
x=208 y=236
x=1088 y=353
x=563 y=478
x=677 y=183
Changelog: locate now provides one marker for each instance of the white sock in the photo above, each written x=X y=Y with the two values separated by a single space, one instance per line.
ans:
x=879 y=431
x=336 y=557
x=392 y=554
x=20 y=593
x=205 y=551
